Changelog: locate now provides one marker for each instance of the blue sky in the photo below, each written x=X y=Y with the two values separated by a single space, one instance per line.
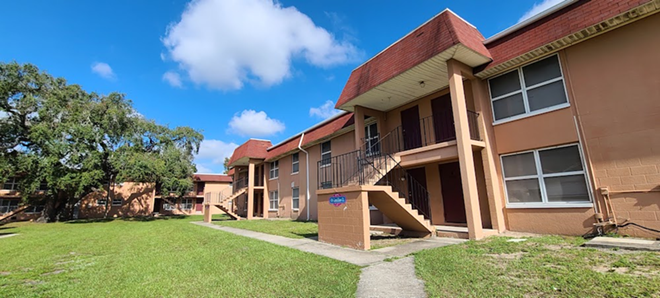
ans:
x=234 y=69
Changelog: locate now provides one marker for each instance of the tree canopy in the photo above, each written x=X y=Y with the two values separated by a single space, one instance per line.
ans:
x=56 y=134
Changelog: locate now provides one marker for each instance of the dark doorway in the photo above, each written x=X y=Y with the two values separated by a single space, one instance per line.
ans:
x=443 y=119
x=412 y=137
x=199 y=206
x=157 y=204
x=417 y=191
x=452 y=193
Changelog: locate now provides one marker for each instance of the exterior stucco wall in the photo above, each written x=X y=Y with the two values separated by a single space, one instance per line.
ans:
x=614 y=79
x=137 y=200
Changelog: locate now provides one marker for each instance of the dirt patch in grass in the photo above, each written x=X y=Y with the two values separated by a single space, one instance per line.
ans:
x=386 y=240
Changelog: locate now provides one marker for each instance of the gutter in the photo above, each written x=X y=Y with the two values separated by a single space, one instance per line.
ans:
x=531 y=20
x=306 y=172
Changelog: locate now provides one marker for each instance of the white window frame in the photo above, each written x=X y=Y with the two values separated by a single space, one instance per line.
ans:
x=6 y=206
x=169 y=207
x=294 y=198
x=327 y=152
x=273 y=199
x=187 y=204
x=523 y=90
x=101 y=202
x=540 y=176
x=295 y=162
x=13 y=182
x=115 y=200
x=274 y=171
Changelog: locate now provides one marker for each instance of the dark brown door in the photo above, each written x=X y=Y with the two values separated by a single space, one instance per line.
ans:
x=412 y=137
x=417 y=191
x=452 y=193
x=157 y=205
x=443 y=119
x=199 y=206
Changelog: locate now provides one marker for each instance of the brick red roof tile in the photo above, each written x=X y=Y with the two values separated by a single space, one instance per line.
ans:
x=437 y=35
x=313 y=135
x=256 y=149
x=212 y=178
x=564 y=22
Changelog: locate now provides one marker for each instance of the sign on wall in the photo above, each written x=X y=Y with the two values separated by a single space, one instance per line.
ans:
x=337 y=200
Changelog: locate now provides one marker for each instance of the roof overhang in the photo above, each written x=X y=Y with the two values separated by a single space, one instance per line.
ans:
x=421 y=80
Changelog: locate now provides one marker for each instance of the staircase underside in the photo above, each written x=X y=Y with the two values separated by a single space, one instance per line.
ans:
x=222 y=205
x=397 y=210
x=5 y=218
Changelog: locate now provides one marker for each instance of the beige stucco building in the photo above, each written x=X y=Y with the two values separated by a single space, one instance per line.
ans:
x=551 y=126
x=125 y=200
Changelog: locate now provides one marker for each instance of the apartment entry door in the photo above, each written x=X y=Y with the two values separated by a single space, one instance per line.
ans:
x=412 y=137
x=443 y=119
x=452 y=193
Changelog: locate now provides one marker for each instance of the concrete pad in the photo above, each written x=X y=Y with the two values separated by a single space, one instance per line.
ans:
x=624 y=243
x=7 y=235
x=391 y=279
x=413 y=247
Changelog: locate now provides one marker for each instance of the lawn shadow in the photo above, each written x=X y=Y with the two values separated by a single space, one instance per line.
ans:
x=134 y=218
x=2 y=235
x=313 y=236
x=90 y=220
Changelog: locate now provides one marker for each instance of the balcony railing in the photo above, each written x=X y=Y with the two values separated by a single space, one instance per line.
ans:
x=373 y=165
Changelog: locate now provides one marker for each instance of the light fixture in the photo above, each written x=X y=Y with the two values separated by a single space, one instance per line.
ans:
x=422 y=84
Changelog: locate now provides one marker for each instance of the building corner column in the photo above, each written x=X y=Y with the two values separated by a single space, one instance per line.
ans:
x=490 y=168
x=358 y=117
x=464 y=147
x=250 y=190
x=265 y=204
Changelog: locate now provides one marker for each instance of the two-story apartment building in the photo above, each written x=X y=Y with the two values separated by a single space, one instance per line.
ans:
x=551 y=126
x=126 y=199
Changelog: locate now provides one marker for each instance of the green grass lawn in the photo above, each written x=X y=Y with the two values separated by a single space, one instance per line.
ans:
x=159 y=258
x=280 y=227
x=545 y=266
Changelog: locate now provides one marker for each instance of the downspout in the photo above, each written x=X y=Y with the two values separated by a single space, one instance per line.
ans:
x=306 y=172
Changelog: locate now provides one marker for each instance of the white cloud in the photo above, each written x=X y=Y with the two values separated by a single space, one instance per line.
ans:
x=226 y=43
x=325 y=111
x=254 y=124
x=173 y=78
x=3 y=114
x=212 y=155
x=538 y=8
x=103 y=69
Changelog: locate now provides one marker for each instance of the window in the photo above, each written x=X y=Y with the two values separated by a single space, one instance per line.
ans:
x=274 y=200
x=168 y=206
x=34 y=209
x=546 y=177
x=274 y=169
x=528 y=90
x=295 y=163
x=116 y=201
x=10 y=184
x=186 y=204
x=200 y=188
x=371 y=139
x=7 y=206
x=326 y=154
x=101 y=202
x=295 y=203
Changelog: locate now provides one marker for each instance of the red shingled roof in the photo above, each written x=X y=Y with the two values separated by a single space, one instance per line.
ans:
x=560 y=24
x=312 y=135
x=250 y=149
x=437 y=35
x=212 y=178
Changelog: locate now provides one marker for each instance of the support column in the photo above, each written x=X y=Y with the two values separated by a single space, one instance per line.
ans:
x=207 y=213
x=250 y=190
x=490 y=169
x=265 y=203
x=464 y=146
x=358 y=116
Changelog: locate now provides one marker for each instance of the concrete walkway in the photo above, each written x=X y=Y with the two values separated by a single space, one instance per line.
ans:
x=380 y=279
x=357 y=257
x=624 y=243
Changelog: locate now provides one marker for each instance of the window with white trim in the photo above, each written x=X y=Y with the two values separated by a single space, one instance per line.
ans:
x=274 y=169
x=528 y=90
x=274 y=200
x=7 y=206
x=101 y=202
x=116 y=201
x=10 y=184
x=545 y=178
x=168 y=206
x=295 y=163
x=295 y=201
x=186 y=204
x=34 y=209
x=326 y=154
